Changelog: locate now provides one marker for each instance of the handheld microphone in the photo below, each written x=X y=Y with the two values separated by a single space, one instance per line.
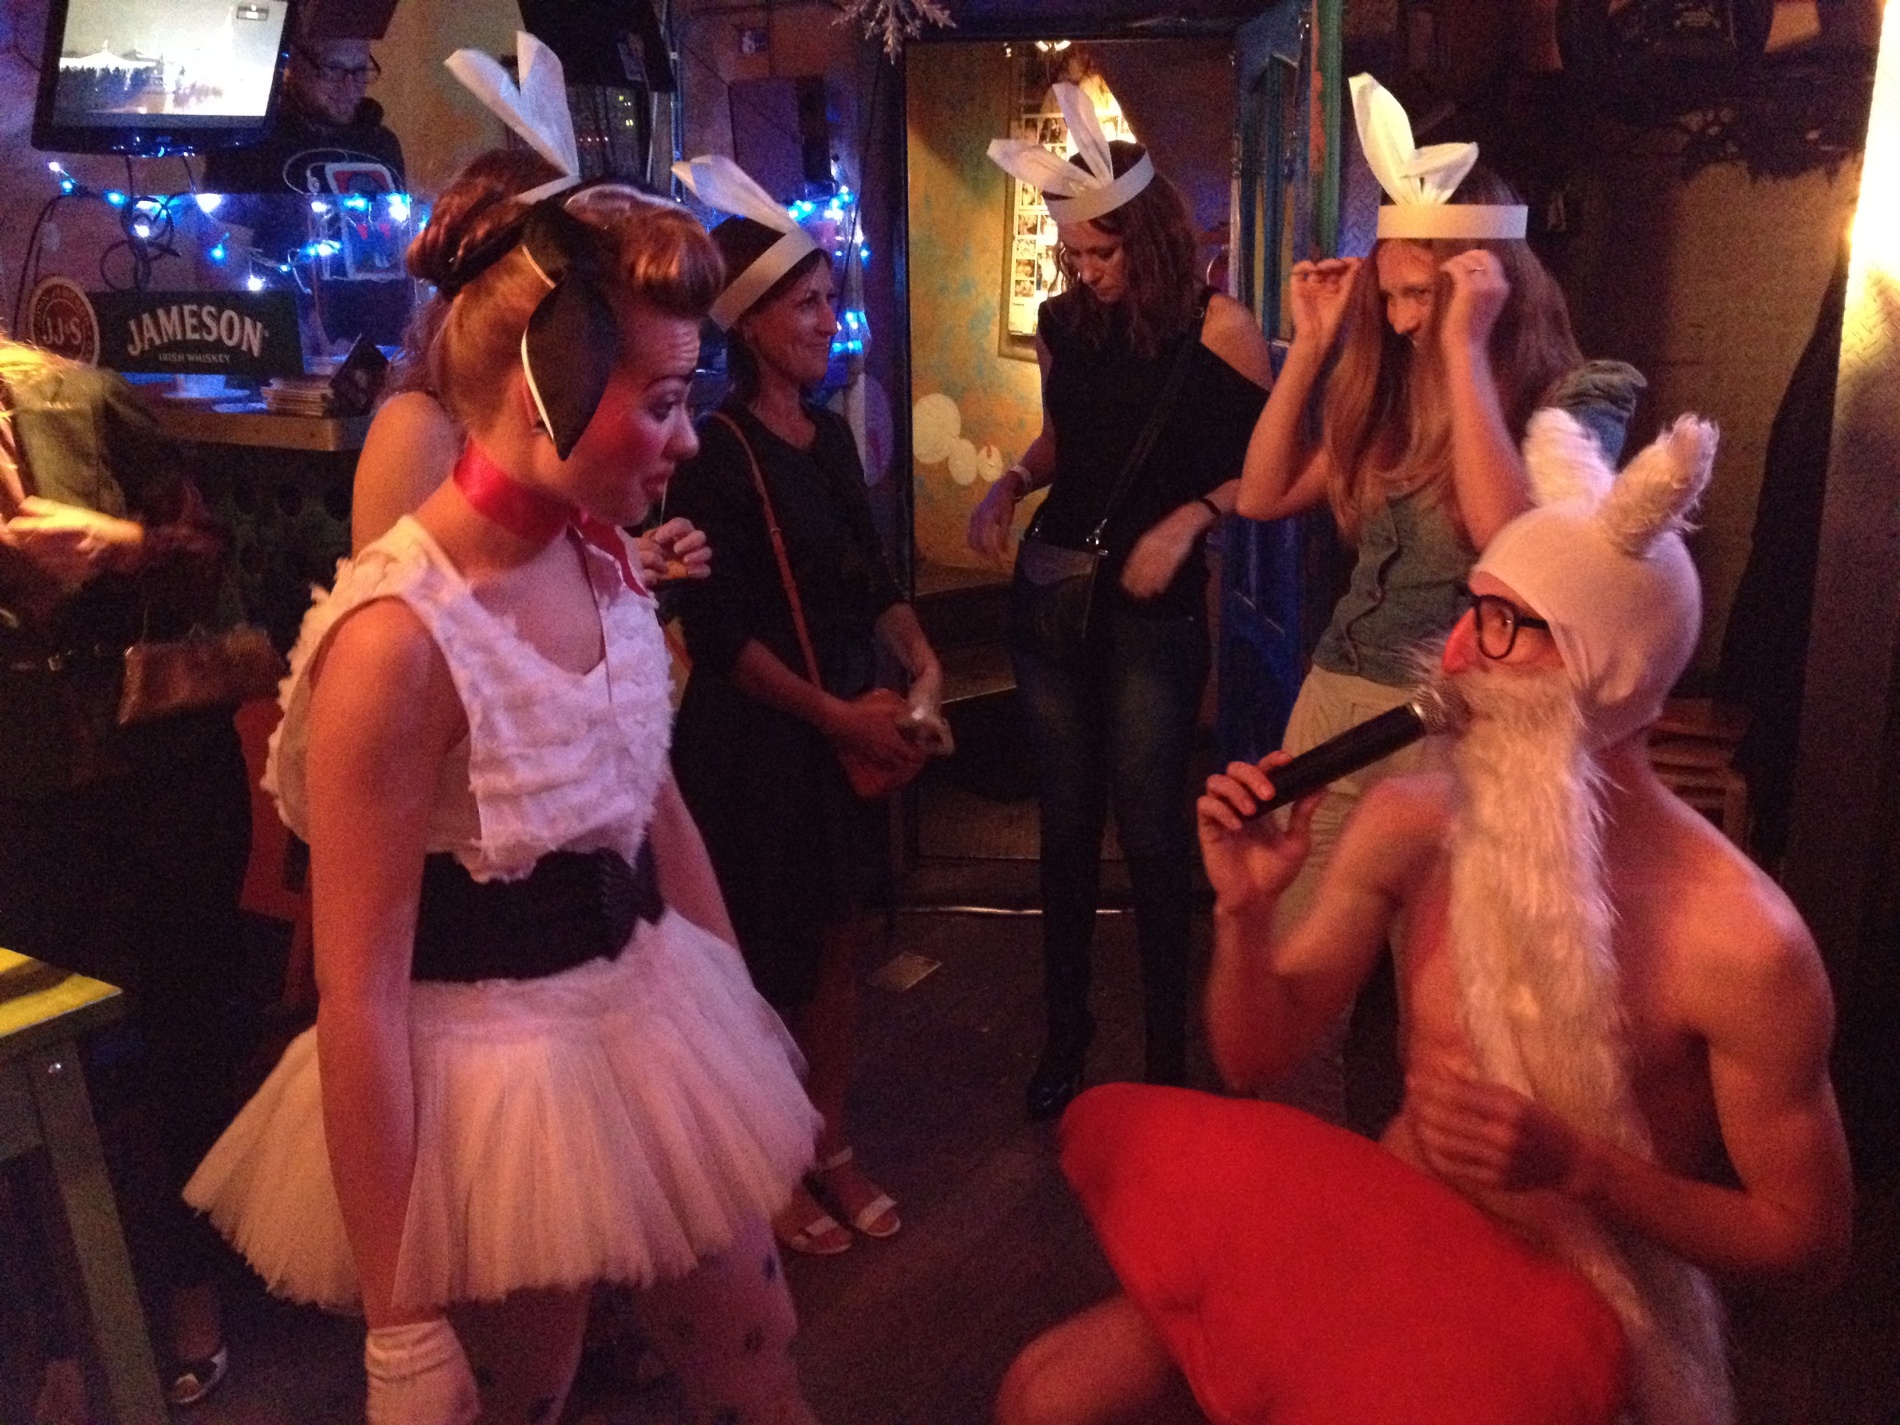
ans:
x=1432 y=708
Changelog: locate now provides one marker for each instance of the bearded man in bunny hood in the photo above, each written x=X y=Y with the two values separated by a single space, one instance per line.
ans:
x=1615 y=1028
x=1611 y=1059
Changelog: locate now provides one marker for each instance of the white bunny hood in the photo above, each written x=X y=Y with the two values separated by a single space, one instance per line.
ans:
x=1602 y=558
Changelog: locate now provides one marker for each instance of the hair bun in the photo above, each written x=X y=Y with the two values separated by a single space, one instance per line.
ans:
x=477 y=219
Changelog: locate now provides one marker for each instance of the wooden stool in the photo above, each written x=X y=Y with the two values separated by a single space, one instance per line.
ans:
x=44 y=1108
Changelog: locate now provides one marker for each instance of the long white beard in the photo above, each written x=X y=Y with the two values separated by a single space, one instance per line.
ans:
x=1530 y=923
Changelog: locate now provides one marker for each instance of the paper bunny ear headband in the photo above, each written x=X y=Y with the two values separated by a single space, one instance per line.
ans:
x=720 y=183
x=1420 y=181
x=1073 y=195
x=572 y=339
x=1602 y=558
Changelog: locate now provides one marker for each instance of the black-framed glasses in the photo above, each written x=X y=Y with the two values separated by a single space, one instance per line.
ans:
x=1498 y=620
x=367 y=73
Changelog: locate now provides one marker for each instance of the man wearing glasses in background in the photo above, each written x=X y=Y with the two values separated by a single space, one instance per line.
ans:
x=1615 y=1028
x=326 y=118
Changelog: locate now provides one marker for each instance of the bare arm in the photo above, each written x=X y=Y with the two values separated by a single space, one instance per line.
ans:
x=411 y=447
x=687 y=881
x=1270 y=998
x=383 y=717
x=1488 y=473
x=1282 y=475
x=1233 y=335
x=1768 y=1028
x=991 y=519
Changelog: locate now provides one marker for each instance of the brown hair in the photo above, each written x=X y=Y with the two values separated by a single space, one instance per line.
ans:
x=654 y=252
x=742 y=242
x=1386 y=421
x=1158 y=249
x=474 y=207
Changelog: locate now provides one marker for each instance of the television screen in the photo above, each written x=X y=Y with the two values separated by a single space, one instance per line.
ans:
x=157 y=76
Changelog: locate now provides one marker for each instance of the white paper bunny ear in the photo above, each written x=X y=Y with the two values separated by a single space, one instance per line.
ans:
x=1073 y=195
x=720 y=183
x=536 y=108
x=1420 y=181
x=1657 y=492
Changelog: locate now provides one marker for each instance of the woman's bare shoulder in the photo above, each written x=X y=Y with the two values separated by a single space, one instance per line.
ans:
x=1232 y=333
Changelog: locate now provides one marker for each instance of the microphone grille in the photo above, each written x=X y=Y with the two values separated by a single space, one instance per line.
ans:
x=1440 y=707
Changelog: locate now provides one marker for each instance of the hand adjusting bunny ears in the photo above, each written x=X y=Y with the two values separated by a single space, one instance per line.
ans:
x=573 y=336
x=1420 y=181
x=720 y=183
x=1073 y=195
x=1603 y=559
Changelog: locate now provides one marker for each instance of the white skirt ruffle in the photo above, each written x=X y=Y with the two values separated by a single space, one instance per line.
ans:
x=615 y=1122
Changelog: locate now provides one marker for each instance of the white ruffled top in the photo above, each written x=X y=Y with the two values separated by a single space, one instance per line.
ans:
x=554 y=760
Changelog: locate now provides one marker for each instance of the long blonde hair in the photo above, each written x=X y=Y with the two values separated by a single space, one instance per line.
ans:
x=1386 y=418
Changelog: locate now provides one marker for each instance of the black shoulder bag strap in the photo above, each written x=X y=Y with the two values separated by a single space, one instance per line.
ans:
x=1157 y=418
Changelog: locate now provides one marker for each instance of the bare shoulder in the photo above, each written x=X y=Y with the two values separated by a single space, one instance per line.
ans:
x=1232 y=333
x=1398 y=828
x=1743 y=949
x=411 y=446
x=414 y=415
x=380 y=655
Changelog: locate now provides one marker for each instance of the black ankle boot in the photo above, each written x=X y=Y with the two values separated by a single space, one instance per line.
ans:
x=1058 y=1076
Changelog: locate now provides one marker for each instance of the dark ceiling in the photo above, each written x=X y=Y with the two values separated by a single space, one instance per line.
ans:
x=990 y=18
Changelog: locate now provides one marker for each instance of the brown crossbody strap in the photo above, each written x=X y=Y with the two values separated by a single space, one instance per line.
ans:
x=778 y=548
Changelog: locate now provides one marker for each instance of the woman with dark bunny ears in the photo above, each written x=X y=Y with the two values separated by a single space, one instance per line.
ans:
x=413 y=442
x=538 y=1063
x=1151 y=382
x=784 y=639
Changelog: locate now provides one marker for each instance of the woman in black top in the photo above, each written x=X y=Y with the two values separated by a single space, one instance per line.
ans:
x=1112 y=705
x=757 y=743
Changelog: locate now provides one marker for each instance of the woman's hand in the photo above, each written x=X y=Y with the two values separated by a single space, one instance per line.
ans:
x=69 y=543
x=991 y=519
x=1479 y=289
x=1318 y=293
x=677 y=549
x=871 y=732
x=1251 y=861
x=1163 y=548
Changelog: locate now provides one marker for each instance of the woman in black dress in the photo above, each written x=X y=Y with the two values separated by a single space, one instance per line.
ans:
x=758 y=741
x=1112 y=702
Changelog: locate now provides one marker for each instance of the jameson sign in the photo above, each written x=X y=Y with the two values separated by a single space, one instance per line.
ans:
x=224 y=333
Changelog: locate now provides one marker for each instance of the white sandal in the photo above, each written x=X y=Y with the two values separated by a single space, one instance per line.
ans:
x=866 y=1218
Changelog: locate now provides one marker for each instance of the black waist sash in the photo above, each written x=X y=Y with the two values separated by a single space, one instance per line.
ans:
x=574 y=906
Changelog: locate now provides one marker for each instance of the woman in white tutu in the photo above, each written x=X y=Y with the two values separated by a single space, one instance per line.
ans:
x=542 y=1062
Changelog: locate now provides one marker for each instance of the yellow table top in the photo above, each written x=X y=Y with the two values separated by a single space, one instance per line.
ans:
x=40 y=1003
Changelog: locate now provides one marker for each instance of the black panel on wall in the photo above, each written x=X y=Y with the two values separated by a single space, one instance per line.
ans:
x=610 y=42
x=344 y=19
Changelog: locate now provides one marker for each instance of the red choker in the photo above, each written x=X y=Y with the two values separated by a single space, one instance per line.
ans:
x=532 y=516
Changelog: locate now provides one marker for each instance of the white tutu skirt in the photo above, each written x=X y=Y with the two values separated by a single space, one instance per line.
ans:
x=618 y=1121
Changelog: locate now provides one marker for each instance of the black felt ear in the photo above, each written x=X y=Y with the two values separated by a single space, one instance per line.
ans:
x=573 y=337
x=569 y=354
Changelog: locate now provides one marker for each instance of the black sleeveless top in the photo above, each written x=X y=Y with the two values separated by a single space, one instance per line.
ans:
x=1099 y=398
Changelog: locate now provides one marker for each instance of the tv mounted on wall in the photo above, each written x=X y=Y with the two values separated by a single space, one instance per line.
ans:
x=158 y=76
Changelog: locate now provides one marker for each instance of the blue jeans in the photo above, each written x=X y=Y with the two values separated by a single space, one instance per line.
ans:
x=1116 y=727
